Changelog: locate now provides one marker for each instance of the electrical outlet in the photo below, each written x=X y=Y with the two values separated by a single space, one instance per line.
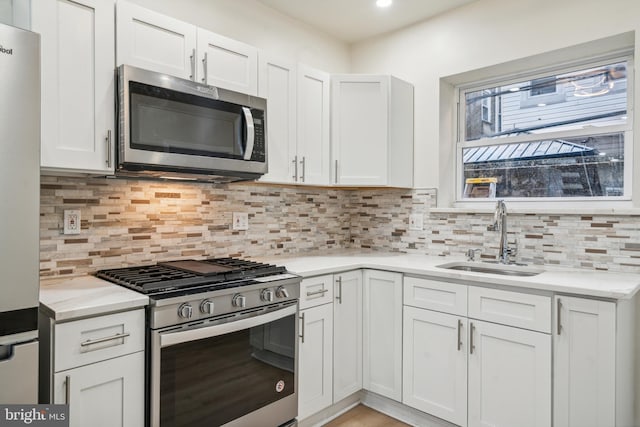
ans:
x=72 y=221
x=416 y=222
x=240 y=221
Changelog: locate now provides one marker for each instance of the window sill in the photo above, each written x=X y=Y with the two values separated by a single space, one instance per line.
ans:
x=522 y=210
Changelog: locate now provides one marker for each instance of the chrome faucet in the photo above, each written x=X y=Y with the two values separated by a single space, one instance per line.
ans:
x=500 y=225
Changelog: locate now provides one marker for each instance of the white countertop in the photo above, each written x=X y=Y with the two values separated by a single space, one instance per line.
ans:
x=85 y=296
x=68 y=299
x=554 y=279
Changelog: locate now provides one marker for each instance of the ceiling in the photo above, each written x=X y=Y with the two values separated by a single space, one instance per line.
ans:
x=354 y=20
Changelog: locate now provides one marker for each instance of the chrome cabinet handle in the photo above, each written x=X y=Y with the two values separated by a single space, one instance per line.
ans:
x=67 y=389
x=105 y=339
x=108 y=139
x=205 y=78
x=339 y=282
x=471 y=344
x=192 y=63
x=295 y=169
x=302 y=327
x=558 y=323
x=336 y=172
x=459 y=334
x=320 y=292
x=303 y=167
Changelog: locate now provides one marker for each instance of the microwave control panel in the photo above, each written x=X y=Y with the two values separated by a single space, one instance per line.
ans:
x=259 y=143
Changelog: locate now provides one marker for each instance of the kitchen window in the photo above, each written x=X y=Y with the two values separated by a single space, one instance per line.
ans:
x=560 y=134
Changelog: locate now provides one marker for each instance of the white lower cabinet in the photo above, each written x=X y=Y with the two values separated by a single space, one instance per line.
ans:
x=382 y=333
x=585 y=364
x=460 y=367
x=347 y=334
x=104 y=394
x=509 y=376
x=435 y=364
x=316 y=360
x=96 y=366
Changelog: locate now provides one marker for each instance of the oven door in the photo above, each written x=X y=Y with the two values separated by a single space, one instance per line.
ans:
x=235 y=371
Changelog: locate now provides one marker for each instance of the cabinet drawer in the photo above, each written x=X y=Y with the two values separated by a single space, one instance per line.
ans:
x=511 y=308
x=315 y=291
x=91 y=340
x=435 y=295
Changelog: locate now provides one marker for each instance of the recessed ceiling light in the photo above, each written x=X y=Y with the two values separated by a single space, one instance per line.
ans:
x=384 y=3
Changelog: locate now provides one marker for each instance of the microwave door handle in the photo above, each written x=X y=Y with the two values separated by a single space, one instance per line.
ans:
x=174 y=338
x=251 y=133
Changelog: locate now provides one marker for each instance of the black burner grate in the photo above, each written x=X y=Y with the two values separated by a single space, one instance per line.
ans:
x=160 y=278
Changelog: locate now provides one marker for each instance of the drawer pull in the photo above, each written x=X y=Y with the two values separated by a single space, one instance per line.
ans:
x=105 y=339
x=339 y=297
x=302 y=328
x=320 y=292
x=459 y=334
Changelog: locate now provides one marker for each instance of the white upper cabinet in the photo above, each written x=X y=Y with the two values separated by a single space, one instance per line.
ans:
x=150 y=40
x=371 y=130
x=77 y=45
x=313 y=137
x=277 y=83
x=153 y=41
x=227 y=63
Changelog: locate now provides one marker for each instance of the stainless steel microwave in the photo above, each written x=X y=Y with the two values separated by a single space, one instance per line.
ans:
x=174 y=128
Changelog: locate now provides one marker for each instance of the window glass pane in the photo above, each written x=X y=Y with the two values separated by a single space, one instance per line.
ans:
x=594 y=96
x=570 y=167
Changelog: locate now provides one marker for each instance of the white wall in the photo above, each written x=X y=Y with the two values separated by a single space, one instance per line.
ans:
x=483 y=34
x=254 y=23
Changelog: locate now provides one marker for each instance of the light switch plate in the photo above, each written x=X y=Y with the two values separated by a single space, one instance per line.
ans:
x=71 y=221
x=240 y=221
x=416 y=222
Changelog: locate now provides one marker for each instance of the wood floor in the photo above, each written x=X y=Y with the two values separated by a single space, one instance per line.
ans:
x=361 y=416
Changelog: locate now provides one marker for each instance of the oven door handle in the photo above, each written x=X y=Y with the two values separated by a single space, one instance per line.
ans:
x=174 y=338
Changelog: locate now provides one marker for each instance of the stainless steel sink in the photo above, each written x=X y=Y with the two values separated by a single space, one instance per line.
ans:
x=504 y=270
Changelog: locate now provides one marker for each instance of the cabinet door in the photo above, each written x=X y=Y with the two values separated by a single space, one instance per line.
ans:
x=313 y=126
x=150 y=40
x=77 y=83
x=382 y=333
x=360 y=129
x=584 y=363
x=435 y=364
x=227 y=63
x=347 y=334
x=316 y=360
x=277 y=83
x=104 y=394
x=509 y=376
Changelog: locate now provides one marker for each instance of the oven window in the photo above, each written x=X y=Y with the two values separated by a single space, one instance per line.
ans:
x=168 y=121
x=212 y=381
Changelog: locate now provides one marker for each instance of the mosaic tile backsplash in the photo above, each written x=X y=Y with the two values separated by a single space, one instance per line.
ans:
x=129 y=222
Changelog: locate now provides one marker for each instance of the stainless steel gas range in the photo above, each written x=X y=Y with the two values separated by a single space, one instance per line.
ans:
x=222 y=342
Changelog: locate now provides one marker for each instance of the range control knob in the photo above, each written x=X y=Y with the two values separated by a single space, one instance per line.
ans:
x=282 y=292
x=239 y=301
x=185 y=311
x=206 y=307
x=266 y=295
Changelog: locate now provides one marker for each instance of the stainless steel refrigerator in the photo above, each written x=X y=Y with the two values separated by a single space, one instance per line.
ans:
x=19 y=214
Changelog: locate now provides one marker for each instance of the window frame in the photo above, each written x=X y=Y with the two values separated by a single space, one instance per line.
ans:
x=625 y=199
